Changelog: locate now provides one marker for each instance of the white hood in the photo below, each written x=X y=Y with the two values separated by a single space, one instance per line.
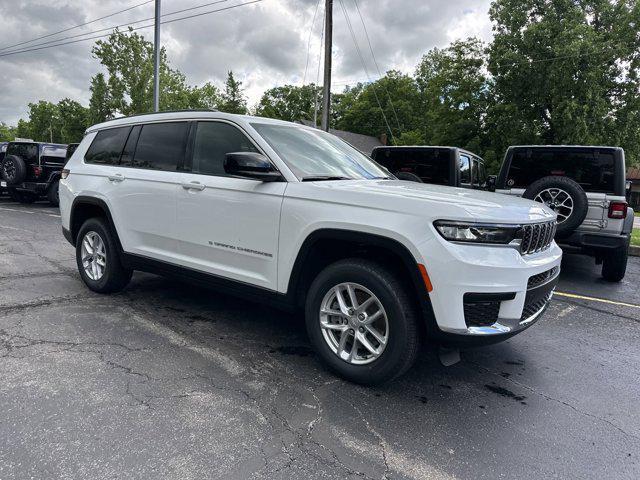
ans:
x=437 y=202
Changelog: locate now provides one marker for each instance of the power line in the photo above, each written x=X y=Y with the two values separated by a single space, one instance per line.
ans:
x=132 y=29
x=376 y=63
x=76 y=26
x=113 y=27
x=364 y=66
x=313 y=22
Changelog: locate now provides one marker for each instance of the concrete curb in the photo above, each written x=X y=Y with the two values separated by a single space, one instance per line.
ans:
x=634 y=251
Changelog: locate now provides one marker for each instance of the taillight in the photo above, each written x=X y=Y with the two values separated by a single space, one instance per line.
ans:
x=65 y=173
x=617 y=210
x=37 y=170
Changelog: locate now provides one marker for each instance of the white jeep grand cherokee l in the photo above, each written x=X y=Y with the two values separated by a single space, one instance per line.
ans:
x=281 y=212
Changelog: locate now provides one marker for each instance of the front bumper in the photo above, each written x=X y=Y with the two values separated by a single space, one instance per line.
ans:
x=463 y=273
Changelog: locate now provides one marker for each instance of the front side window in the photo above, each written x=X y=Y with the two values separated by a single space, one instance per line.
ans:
x=107 y=146
x=161 y=146
x=465 y=169
x=212 y=143
x=314 y=154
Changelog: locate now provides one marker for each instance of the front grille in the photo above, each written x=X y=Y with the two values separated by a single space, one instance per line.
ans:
x=531 y=308
x=481 y=314
x=537 y=237
x=541 y=278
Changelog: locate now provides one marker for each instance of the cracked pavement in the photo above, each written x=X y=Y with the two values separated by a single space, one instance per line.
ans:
x=165 y=380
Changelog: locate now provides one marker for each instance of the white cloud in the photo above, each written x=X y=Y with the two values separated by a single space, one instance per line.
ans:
x=264 y=44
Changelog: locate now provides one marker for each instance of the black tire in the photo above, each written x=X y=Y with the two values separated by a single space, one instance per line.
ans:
x=21 y=196
x=411 y=177
x=115 y=276
x=13 y=170
x=403 y=341
x=614 y=264
x=574 y=190
x=52 y=194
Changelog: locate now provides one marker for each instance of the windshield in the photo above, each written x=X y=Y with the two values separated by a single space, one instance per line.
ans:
x=316 y=155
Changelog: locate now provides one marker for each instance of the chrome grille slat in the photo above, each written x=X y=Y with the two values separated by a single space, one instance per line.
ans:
x=537 y=237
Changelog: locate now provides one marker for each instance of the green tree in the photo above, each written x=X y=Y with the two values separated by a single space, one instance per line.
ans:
x=233 y=99
x=454 y=91
x=43 y=124
x=289 y=102
x=100 y=103
x=389 y=105
x=7 y=132
x=566 y=72
x=73 y=119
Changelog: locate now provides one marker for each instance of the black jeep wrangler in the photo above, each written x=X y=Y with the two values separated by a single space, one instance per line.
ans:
x=449 y=166
x=32 y=169
x=585 y=186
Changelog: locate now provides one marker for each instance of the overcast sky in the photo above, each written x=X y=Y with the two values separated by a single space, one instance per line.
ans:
x=265 y=44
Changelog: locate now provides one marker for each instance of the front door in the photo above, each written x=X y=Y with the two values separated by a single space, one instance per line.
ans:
x=227 y=226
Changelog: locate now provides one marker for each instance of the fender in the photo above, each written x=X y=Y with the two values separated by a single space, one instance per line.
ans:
x=85 y=200
x=365 y=239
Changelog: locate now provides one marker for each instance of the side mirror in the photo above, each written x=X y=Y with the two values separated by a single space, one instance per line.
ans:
x=251 y=165
x=491 y=183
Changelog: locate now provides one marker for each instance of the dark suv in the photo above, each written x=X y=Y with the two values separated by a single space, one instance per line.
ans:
x=449 y=166
x=585 y=186
x=32 y=169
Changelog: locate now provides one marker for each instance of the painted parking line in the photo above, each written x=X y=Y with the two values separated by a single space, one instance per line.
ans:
x=16 y=210
x=596 y=299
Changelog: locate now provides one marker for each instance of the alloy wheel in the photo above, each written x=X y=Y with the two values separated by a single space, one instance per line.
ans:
x=557 y=200
x=94 y=256
x=354 y=323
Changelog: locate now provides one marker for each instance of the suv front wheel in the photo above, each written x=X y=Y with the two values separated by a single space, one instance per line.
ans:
x=98 y=258
x=361 y=321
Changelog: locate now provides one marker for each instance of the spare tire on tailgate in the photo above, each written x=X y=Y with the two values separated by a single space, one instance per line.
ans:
x=13 y=170
x=565 y=197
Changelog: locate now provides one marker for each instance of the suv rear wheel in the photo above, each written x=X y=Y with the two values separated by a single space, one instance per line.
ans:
x=361 y=322
x=98 y=258
x=614 y=264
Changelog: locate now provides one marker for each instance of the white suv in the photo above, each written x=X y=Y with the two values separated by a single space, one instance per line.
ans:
x=289 y=214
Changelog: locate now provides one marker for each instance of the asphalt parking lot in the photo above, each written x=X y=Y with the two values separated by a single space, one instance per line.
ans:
x=168 y=381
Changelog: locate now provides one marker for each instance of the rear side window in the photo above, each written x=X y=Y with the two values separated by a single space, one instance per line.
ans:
x=213 y=141
x=594 y=170
x=107 y=146
x=161 y=146
x=465 y=169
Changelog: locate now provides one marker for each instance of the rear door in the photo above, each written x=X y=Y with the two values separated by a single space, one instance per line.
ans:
x=144 y=188
x=228 y=226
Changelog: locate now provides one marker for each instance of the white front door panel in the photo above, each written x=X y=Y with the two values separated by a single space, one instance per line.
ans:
x=230 y=227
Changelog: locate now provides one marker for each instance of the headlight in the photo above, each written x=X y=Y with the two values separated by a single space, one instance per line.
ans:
x=477 y=232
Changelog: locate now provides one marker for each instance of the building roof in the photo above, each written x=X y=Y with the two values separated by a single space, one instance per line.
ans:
x=633 y=173
x=364 y=143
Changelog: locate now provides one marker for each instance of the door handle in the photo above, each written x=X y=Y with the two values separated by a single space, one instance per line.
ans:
x=193 y=186
x=116 y=178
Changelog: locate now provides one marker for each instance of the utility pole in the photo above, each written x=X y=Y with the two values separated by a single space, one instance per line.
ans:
x=328 y=41
x=156 y=61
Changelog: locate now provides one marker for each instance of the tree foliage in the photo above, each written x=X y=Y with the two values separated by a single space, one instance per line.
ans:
x=291 y=103
x=232 y=98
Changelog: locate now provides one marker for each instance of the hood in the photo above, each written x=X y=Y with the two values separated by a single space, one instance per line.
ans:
x=437 y=202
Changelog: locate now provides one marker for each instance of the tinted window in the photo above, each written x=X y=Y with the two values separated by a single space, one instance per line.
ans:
x=430 y=164
x=465 y=169
x=482 y=174
x=70 y=150
x=130 y=146
x=107 y=146
x=593 y=170
x=161 y=146
x=213 y=141
x=27 y=151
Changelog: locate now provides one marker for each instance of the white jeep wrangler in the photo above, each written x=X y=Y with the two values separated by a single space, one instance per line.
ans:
x=292 y=215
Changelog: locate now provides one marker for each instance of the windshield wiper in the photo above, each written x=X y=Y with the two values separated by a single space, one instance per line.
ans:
x=318 y=178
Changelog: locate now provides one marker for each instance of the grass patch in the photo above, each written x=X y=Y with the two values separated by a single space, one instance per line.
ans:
x=635 y=237
x=636 y=214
